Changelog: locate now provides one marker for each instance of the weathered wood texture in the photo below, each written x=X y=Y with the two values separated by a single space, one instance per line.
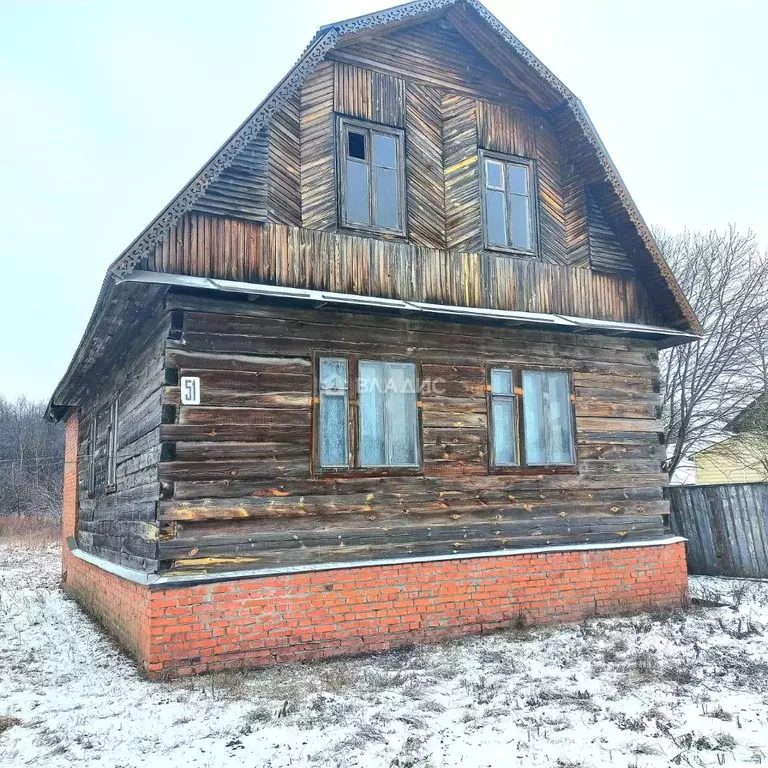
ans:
x=242 y=189
x=726 y=527
x=239 y=490
x=318 y=141
x=454 y=91
x=463 y=223
x=284 y=175
x=291 y=256
x=425 y=183
x=434 y=54
x=120 y=525
x=369 y=95
x=606 y=252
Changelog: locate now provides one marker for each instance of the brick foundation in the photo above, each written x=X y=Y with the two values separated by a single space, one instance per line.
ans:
x=252 y=621
x=262 y=620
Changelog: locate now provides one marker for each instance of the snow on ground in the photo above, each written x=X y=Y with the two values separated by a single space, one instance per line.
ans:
x=684 y=689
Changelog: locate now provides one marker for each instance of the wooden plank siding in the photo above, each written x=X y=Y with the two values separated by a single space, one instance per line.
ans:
x=241 y=190
x=425 y=182
x=284 y=174
x=291 y=256
x=318 y=153
x=437 y=55
x=606 y=252
x=240 y=490
x=435 y=81
x=369 y=95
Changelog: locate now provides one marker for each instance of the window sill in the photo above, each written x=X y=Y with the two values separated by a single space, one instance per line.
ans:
x=384 y=234
x=500 y=250
x=347 y=472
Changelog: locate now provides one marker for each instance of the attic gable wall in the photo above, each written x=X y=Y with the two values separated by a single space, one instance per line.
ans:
x=431 y=80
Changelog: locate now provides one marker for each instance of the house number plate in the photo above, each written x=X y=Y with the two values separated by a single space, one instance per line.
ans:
x=190 y=390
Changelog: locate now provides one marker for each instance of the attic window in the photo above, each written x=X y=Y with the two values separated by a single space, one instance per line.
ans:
x=509 y=203
x=371 y=176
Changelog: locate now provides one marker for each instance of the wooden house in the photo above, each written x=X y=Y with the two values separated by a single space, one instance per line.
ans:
x=384 y=371
x=742 y=455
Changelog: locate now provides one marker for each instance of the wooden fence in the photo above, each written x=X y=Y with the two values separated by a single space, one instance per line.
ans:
x=726 y=527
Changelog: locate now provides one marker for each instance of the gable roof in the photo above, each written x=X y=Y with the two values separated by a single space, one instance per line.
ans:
x=753 y=416
x=572 y=115
x=121 y=300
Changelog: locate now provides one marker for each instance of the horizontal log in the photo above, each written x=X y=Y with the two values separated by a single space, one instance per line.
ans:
x=239 y=451
x=499 y=531
x=191 y=363
x=369 y=496
x=251 y=469
x=249 y=516
x=487 y=486
x=209 y=416
x=253 y=433
x=235 y=398
x=320 y=555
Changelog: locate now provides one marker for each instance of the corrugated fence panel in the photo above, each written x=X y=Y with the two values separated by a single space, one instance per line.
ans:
x=726 y=527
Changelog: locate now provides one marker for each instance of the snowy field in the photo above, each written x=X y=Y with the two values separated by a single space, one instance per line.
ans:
x=688 y=689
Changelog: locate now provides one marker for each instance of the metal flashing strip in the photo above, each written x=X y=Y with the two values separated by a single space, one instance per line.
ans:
x=152 y=580
x=560 y=322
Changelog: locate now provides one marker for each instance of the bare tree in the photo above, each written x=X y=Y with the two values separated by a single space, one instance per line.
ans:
x=31 y=460
x=708 y=383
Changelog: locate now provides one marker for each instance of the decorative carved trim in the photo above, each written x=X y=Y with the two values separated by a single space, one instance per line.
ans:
x=258 y=121
x=580 y=115
x=325 y=41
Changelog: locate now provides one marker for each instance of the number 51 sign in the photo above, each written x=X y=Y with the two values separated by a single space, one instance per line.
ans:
x=190 y=390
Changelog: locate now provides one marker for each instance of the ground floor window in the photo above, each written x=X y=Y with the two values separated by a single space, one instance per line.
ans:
x=531 y=419
x=368 y=414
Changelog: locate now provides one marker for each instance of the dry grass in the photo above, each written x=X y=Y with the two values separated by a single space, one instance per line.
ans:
x=29 y=531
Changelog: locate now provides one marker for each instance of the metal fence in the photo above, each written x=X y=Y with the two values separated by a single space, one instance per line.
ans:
x=726 y=527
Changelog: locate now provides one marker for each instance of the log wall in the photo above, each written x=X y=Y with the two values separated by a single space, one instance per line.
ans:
x=119 y=524
x=238 y=486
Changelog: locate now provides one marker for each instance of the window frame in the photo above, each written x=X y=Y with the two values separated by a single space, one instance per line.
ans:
x=355 y=468
x=343 y=125
x=533 y=199
x=523 y=467
x=347 y=400
x=93 y=441
x=513 y=396
x=112 y=442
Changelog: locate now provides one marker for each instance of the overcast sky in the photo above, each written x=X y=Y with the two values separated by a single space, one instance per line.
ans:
x=109 y=108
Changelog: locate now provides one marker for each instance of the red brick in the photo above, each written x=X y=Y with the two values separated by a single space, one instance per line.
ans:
x=258 y=621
